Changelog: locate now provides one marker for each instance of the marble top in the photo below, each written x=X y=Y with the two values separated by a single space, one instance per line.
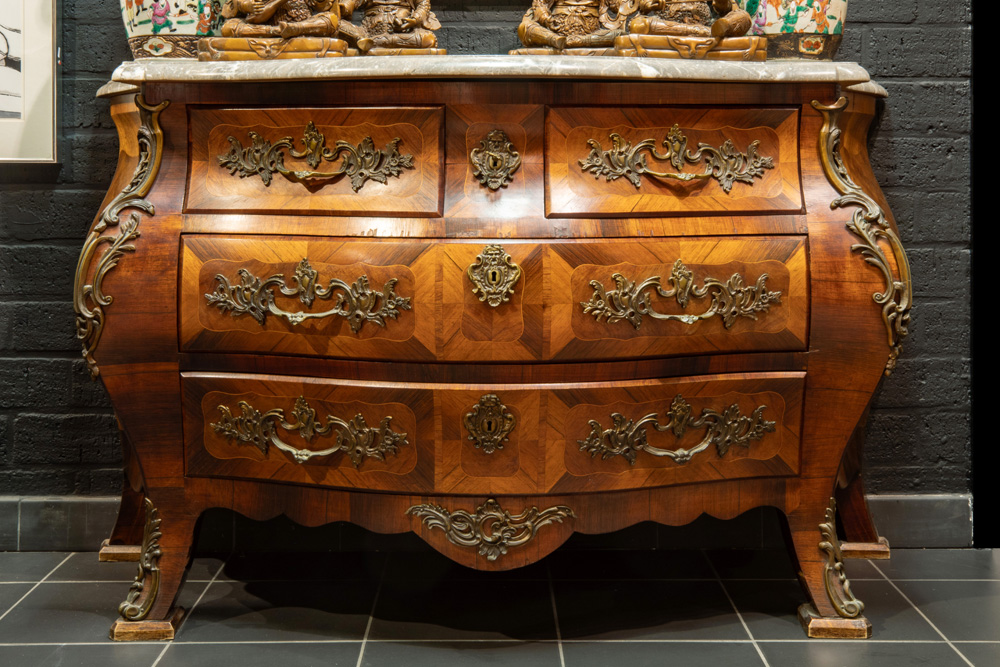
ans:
x=520 y=67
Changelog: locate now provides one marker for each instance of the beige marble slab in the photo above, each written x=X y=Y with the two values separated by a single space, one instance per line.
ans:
x=505 y=66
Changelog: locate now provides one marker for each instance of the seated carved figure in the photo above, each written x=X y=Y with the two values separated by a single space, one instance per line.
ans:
x=685 y=18
x=404 y=24
x=283 y=19
x=562 y=24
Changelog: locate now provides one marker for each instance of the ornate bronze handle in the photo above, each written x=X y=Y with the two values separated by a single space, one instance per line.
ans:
x=489 y=423
x=493 y=275
x=495 y=161
x=354 y=437
x=358 y=303
x=362 y=163
x=631 y=301
x=492 y=529
x=725 y=164
x=627 y=438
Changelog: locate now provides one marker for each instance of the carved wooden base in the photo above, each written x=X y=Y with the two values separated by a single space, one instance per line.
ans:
x=119 y=553
x=876 y=550
x=833 y=627
x=692 y=48
x=146 y=631
x=269 y=48
x=546 y=51
x=389 y=51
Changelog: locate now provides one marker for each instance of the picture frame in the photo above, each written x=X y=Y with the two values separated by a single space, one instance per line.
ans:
x=28 y=59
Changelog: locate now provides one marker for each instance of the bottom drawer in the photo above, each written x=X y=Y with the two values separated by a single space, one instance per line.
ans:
x=492 y=439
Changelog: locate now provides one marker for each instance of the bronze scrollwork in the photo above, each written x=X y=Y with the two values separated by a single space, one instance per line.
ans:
x=491 y=528
x=357 y=302
x=870 y=224
x=362 y=163
x=723 y=429
x=493 y=275
x=495 y=161
x=838 y=588
x=631 y=301
x=89 y=299
x=147 y=580
x=355 y=438
x=489 y=423
x=725 y=164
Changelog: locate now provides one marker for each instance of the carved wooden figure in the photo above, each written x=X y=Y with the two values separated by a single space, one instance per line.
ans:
x=691 y=29
x=678 y=299
x=275 y=29
x=572 y=27
x=391 y=27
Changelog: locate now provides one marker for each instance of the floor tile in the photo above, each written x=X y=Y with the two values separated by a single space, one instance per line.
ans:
x=442 y=609
x=433 y=566
x=645 y=610
x=659 y=654
x=774 y=564
x=108 y=655
x=981 y=655
x=819 y=653
x=962 y=610
x=84 y=566
x=461 y=654
x=11 y=593
x=28 y=565
x=327 y=654
x=770 y=608
x=281 y=611
x=942 y=564
x=303 y=566
x=67 y=613
x=629 y=565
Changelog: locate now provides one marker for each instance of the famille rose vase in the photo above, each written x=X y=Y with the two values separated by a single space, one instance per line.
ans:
x=169 y=28
x=798 y=28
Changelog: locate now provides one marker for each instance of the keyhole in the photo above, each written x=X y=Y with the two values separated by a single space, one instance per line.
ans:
x=494 y=277
x=489 y=426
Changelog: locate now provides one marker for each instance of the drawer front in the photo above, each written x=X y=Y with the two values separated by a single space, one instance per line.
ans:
x=654 y=161
x=523 y=301
x=507 y=439
x=335 y=161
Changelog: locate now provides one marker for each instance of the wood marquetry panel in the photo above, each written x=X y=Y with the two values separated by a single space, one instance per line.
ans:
x=572 y=192
x=413 y=191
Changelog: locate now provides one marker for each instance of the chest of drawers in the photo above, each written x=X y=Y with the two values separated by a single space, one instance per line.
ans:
x=493 y=301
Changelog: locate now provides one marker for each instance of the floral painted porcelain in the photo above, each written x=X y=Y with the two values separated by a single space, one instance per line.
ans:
x=798 y=28
x=169 y=28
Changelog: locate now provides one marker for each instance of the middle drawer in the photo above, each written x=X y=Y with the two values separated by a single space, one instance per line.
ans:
x=513 y=301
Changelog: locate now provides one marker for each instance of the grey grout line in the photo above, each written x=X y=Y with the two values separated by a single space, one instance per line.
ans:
x=196 y=602
x=371 y=616
x=746 y=628
x=804 y=640
x=162 y=653
x=555 y=617
x=37 y=584
x=922 y=614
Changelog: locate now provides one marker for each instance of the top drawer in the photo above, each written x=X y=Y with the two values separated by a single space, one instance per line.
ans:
x=339 y=161
x=653 y=161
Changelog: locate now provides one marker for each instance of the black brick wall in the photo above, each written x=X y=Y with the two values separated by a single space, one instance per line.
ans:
x=57 y=435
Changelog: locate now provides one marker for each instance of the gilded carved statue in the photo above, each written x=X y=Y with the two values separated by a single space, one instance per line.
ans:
x=403 y=27
x=583 y=26
x=275 y=29
x=693 y=29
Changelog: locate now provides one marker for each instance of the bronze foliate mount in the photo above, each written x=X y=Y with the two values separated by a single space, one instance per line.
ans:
x=632 y=301
x=493 y=275
x=491 y=529
x=89 y=299
x=627 y=438
x=725 y=164
x=362 y=163
x=356 y=302
x=354 y=438
x=838 y=588
x=489 y=423
x=142 y=593
x=870 y=224
x=495 y=161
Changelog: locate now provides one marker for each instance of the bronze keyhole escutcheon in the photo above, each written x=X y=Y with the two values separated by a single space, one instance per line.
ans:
x=493 y=275
x=489 y=423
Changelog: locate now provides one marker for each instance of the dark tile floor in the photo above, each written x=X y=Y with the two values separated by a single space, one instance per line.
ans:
x=575 y=609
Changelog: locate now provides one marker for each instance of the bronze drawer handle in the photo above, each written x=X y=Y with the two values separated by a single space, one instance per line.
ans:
x=491 y=528
x=725 y=164
x=495 y=161
x=493 y=275
x=362 y=163
x=489 y=423
x=355 y=438
x=631 y=301
x=358 y=303
x=627 y=438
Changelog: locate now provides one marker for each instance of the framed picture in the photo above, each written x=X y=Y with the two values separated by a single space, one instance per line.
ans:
x=27 y=81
